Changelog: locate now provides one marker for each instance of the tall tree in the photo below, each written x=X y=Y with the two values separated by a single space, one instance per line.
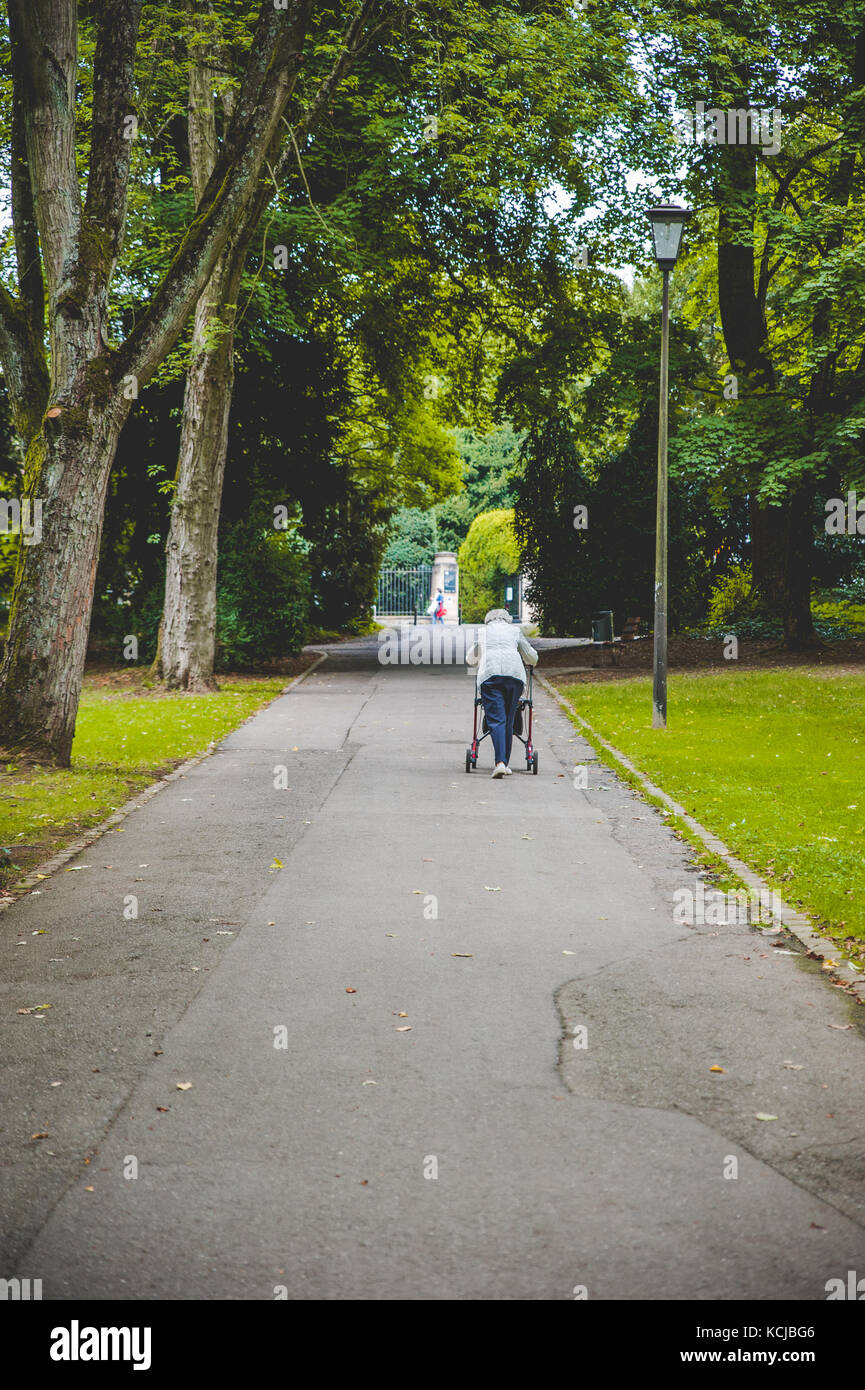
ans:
x=446 y=177
x=70 y=402
x=187 y=640
x=785 y=219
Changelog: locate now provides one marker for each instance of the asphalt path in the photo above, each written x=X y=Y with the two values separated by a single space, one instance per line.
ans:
x=439 y=1036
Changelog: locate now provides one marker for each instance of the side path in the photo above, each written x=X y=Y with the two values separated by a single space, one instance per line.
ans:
x=478 y=1154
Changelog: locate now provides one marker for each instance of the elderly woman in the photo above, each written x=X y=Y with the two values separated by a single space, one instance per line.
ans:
x=500 y=680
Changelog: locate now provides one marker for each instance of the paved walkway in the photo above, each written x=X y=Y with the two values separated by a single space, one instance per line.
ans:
x=479 y=1155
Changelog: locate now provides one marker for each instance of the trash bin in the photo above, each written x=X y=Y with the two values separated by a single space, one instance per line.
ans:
x=602 y=626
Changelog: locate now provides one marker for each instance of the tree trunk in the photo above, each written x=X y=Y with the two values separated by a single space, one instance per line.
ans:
x=799 y=554
x=187 y=633
x=68 y=465
x=187 y=638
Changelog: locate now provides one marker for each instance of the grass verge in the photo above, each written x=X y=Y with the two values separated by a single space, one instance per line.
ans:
x=128 y=734
x=771 y=762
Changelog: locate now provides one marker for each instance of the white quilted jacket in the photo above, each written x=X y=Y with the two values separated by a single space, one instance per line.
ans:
x=498 y=650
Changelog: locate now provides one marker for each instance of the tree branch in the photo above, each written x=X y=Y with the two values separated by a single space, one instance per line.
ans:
x=31 y=288
x=111 y=139
x=271 y=73
x=44 y=50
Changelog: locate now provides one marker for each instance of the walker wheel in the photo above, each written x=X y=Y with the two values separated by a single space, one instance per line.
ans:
x=535 y=764
x=468 y=760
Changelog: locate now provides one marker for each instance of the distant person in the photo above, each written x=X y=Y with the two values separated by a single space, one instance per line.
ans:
x=438 y=608
x=499 y=654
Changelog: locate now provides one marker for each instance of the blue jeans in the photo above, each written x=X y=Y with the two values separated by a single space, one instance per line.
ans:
x=501 y=696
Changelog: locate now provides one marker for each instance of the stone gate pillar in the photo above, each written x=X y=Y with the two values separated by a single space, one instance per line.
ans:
x=446 y=576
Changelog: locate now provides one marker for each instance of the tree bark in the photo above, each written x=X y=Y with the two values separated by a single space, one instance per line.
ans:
x=68 y=465
x=187 y=639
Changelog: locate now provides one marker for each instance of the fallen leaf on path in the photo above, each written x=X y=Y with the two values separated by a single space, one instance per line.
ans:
x=369 y=1083
x=402 y=1015
x=569 y=953
x=90 y=1189
x=271 y=924
x=840 y=1027
x=492 y=890
x=364 y=1182
x=163 y=1109
x=793 y=1066
x=350 y=989
x=405 y=1028
x=760 y=1115
x=184 y=1085
x=815 y=1227
x=42 y=1134
x=76 y=868
x=462 y=955
x=277 y=864
x=56 y=1083
x=716 y=1069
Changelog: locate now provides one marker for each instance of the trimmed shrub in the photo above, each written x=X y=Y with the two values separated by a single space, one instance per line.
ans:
x=488 y=556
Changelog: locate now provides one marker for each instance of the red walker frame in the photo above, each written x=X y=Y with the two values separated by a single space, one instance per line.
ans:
x=526 y=703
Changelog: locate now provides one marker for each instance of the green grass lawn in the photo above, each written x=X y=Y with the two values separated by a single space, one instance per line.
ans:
x=126 y=736
x=773 y=762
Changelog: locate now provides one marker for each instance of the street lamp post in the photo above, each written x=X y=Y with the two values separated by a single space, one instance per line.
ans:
x=668 y=223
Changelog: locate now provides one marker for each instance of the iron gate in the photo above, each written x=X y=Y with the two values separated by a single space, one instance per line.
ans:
x=404 y=591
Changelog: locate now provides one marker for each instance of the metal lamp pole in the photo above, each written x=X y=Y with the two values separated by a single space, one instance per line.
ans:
x=668 y=224
x=659 y=662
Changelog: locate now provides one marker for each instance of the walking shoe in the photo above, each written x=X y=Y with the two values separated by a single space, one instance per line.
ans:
x=509 y=772
x=499 y=770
